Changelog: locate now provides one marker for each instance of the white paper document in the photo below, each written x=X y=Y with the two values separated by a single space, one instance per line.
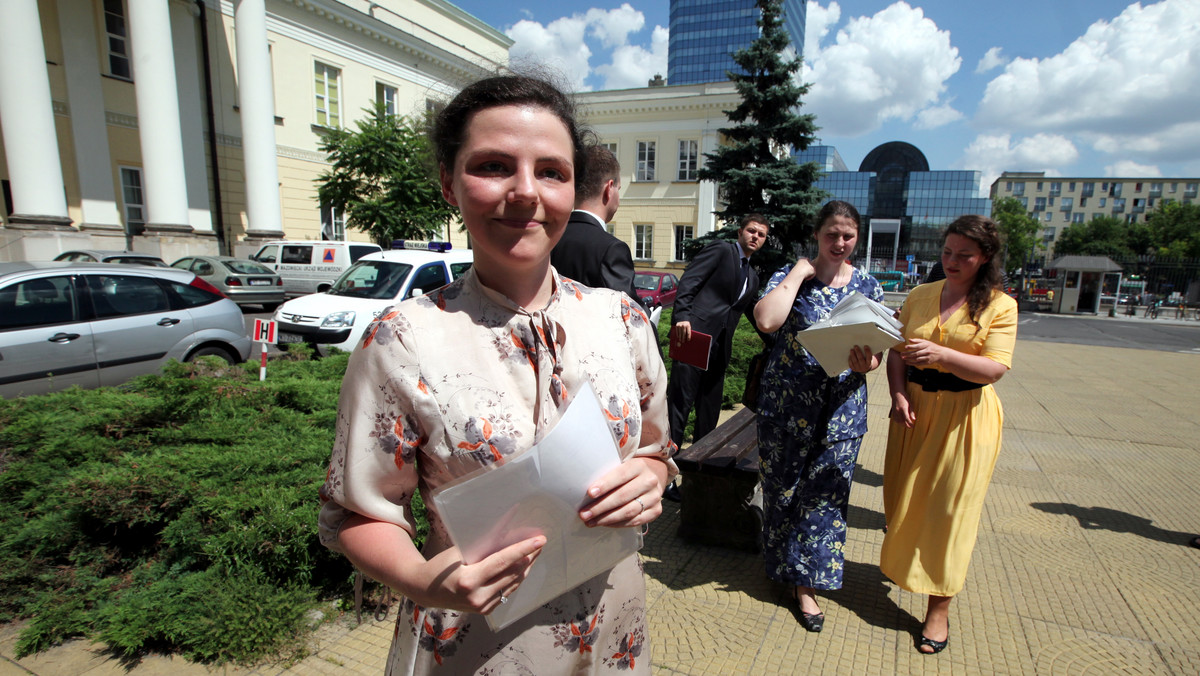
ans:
x=855 y=320
x=541 y=491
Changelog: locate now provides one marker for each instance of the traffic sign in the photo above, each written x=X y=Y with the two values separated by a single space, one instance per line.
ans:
x=264 y=331
x=910 y=258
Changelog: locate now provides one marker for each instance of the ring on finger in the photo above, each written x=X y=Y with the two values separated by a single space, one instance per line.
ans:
x=503 y=598
x=640 y=504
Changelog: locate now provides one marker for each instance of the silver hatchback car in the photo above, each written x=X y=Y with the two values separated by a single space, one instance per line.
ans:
x=96 y=324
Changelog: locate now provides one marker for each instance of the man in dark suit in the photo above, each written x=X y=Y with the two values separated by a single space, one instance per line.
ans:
x=716 y=288
x=587 y=253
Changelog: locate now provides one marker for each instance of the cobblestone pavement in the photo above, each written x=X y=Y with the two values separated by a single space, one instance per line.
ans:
x=1082 y=564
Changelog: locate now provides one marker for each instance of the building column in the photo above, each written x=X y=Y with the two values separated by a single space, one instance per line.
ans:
x=191 y=114
x=157 y=95
x=93 y=162
x=257 y=108
x=27 y=121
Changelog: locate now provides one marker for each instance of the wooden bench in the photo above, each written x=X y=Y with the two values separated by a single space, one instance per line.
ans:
x=719 y=474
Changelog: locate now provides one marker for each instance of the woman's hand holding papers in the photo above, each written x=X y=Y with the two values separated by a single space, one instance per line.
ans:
x=862 y=360
x=385 y=552
x=629 y=495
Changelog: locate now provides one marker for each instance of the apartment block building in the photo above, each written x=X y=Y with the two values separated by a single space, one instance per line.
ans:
x=1061 y=201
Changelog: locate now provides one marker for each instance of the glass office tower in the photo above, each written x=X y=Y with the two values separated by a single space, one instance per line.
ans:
x=705 y=33
x=894 y=182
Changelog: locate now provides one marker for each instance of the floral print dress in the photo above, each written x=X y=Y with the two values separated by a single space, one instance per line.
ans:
x=810 y=427
x=457 y=380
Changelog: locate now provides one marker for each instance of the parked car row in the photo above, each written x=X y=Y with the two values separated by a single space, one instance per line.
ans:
x=94 y=324
x=91 y=324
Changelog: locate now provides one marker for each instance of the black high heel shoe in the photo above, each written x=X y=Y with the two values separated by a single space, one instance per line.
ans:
x=938 y=646
x=813 y=622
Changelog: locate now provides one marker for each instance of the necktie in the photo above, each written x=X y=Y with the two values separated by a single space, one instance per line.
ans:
x=745 y=276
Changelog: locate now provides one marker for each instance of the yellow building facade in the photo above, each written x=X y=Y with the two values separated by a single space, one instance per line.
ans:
x=179 y=127
x=660 y=135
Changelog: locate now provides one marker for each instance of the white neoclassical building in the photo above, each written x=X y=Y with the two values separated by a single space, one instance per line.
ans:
x=660 y=135
x=187 y=126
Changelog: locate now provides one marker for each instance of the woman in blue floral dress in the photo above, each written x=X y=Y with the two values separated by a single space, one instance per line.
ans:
x=810 y=426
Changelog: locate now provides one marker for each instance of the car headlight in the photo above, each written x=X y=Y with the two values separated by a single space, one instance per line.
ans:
x=338 y=320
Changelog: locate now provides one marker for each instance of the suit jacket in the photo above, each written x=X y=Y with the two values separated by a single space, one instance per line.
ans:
x=589 y=255
x=708 y=291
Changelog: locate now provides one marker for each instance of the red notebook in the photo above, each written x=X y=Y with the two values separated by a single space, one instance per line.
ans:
x=694 y=352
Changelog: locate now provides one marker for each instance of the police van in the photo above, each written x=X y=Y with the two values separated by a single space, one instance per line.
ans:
x=339 y=317
x=311 y=267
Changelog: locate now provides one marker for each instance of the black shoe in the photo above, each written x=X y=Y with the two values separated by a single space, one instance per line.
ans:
x=814 y=623
x=938 y=646
x=672 y=493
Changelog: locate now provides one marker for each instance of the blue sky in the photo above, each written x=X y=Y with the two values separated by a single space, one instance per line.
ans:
x=1070 y=87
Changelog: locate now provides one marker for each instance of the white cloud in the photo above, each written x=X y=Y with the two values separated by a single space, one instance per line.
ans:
x=992 y=154
x=937 y=116
x=558 y=45
x=1127 y=168
x=1122 y=86
x=613 y=26
x=991 y=60
x=633 y=66
x=817 y=22
x=892 y=65
x=562 y=45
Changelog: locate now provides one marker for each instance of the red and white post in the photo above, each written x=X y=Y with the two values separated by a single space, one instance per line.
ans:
x=264 y=333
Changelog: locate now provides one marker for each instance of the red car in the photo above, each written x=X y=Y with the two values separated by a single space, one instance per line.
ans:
x=655 y=288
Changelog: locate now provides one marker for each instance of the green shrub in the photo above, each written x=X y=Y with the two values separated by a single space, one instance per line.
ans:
x=176 y=513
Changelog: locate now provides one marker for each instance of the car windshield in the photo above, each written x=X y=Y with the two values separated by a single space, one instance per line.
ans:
x=372 y=279
x=646 y=282
x=246 y=268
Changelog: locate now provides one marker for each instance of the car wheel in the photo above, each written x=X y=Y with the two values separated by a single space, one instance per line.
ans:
x=213 y=352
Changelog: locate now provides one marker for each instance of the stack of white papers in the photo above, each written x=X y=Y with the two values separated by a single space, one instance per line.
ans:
x=540 y=491
x=856 y=320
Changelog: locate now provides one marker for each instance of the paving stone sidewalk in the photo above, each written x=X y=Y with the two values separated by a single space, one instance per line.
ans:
x=1082 y=564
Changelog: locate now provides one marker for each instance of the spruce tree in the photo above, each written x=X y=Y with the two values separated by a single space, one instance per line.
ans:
x=753 y=166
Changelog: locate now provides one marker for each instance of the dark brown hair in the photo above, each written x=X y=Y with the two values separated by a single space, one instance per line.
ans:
x=450 y=125
x=834 y=208
x=753 y=217
x=984 y=232
x=602 y=166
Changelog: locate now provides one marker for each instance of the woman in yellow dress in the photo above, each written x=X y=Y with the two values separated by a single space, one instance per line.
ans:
x=944 y=434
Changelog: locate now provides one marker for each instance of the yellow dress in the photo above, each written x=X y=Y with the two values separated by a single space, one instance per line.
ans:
x=937 y=473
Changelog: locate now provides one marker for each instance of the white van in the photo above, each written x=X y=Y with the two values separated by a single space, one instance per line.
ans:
x=311 y=267
x=339 y=317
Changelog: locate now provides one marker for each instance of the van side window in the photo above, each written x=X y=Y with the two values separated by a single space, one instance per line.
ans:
x=357 y=251
x=428 y=278
x=459 y=269
x=299 y=254
x=267 y=254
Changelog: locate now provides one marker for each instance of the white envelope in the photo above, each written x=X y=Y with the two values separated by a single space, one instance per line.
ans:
x=540 y=491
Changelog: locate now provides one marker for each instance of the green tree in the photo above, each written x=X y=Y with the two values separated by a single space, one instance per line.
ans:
x=753 y=166
x=1103 y=236
x=383 y=178
x=1019 y=229
x=1175 y=230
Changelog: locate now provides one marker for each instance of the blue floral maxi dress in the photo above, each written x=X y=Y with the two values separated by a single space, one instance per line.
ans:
x=810 y=427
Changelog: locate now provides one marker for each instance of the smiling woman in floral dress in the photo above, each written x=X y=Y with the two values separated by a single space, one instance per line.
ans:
x=810 y=426
x=456 y=380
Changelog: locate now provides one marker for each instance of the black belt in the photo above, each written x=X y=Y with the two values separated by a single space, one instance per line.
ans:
x=934 y=381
